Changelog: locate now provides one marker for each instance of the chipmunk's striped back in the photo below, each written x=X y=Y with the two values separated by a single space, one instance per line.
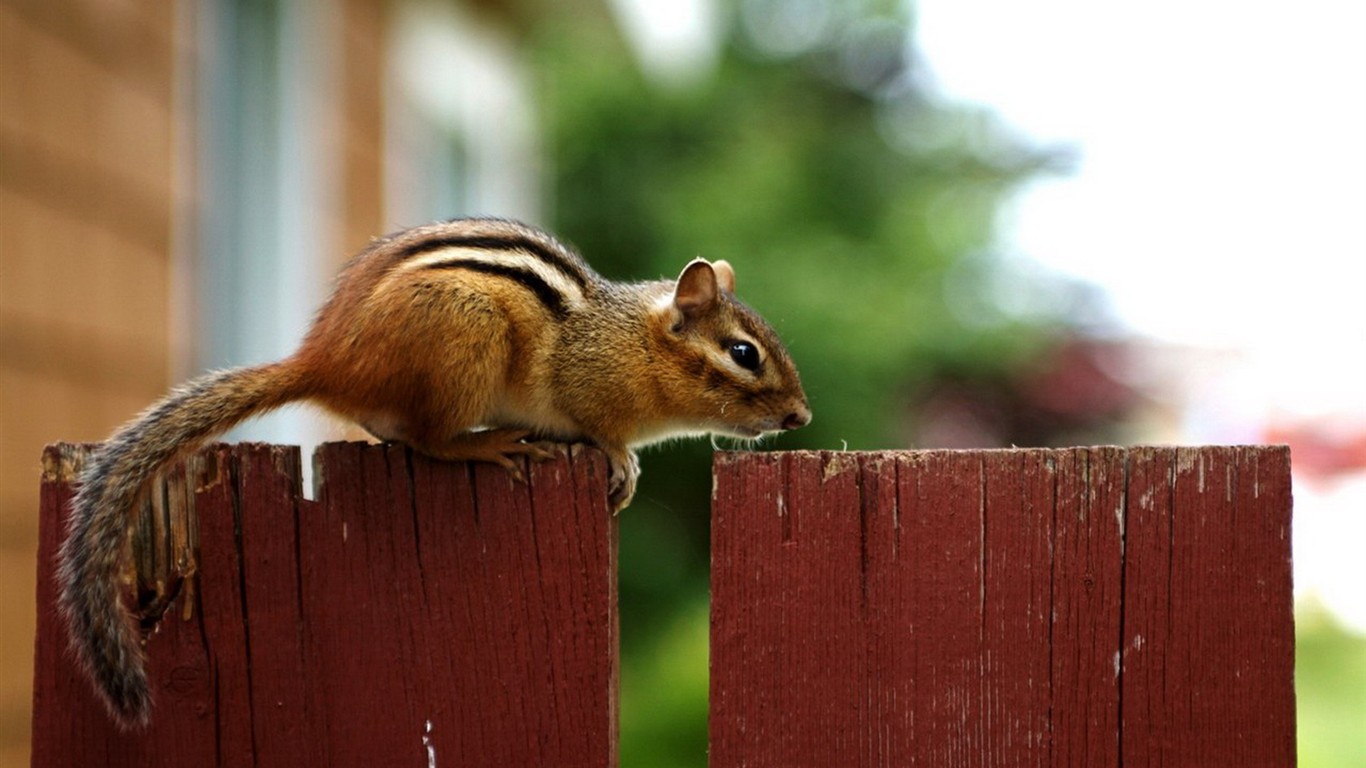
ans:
x=556 y=275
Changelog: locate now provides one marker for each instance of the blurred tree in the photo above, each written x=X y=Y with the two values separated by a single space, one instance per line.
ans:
x=859 y=213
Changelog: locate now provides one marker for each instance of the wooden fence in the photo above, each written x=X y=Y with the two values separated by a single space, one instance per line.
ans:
x=1079 y=607
x=416 y=613
x=1085 y=607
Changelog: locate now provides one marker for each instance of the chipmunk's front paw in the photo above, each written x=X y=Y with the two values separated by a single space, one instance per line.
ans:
x=621 y=482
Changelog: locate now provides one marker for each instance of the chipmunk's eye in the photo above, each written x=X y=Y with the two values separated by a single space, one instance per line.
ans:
x=745 y=355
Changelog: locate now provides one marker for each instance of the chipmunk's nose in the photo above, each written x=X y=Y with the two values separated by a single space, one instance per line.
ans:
x=798 y=418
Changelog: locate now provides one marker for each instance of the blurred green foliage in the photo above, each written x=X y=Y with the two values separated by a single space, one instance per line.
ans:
x=1330 y=691
x=851 y=246
x=859 y=214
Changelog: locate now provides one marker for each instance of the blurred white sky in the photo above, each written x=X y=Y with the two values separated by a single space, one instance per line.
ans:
x=1221 y=197
x=1220 y=203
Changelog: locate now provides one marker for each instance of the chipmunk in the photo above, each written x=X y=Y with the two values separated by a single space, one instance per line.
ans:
x=468 y=340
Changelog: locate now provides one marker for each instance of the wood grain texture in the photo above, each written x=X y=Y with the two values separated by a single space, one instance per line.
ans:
x=1077 y=607
x=415 y=609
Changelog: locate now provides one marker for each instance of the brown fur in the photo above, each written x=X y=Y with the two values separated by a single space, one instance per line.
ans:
x=432 y=333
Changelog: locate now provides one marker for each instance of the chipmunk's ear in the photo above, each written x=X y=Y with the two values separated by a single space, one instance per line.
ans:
x=697 y=287
x=725 y=275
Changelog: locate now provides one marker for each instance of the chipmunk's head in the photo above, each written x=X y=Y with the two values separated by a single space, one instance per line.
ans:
x=740 y=379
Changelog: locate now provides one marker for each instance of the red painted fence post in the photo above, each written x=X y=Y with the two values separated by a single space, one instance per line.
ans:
x=416 y=613
x=1078 y=607
x=946 y=608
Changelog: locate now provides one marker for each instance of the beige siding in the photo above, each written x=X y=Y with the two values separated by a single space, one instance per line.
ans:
x=86 y=193
x=362 y=132
x=88 y=210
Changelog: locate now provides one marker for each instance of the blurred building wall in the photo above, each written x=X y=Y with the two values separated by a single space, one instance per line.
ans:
x=87 y=200
x=121 y=159
x=100 y=207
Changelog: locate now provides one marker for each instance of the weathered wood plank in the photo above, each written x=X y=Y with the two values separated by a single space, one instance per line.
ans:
x=416 y=609
x=888 y=596
x=742 y=572
x=269 y=505
x=224 y=664
x=459 y=648
x=1208 y=638
x=814 y=560
x=945 y=521
x=1088 y=525
x=70 y=726
x=1016 y=616
x=1147 y=604
x=1077 y=607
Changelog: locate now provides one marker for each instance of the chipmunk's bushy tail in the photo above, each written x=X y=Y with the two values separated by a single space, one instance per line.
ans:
x=105 y=636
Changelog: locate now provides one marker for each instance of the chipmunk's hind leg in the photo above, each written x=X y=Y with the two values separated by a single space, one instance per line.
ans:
x=495 y=446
